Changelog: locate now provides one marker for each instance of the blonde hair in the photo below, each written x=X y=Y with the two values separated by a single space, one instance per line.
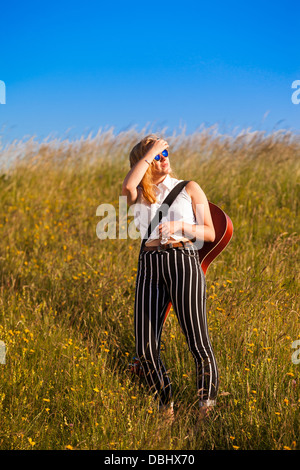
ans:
x=138 y=152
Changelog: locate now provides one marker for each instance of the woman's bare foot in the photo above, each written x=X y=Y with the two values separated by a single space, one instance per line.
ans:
x=167 y=413
x=205 y=411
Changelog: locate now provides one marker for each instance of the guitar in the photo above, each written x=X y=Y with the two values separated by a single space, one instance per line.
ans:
x=210 y=250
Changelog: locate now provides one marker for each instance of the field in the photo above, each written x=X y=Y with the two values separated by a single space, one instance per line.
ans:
x=66 y=304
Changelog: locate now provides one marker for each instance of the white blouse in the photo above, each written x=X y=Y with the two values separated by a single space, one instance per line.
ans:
x=181 y=209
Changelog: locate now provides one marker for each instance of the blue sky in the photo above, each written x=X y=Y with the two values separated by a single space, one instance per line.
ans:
x=72 y=67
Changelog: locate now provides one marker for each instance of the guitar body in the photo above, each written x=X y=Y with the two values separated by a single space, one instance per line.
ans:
x=224 y=229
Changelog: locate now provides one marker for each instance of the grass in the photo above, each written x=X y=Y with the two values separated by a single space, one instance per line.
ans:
x=66 y=305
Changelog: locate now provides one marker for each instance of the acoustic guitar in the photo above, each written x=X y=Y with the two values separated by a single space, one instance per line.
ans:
x=210 y=250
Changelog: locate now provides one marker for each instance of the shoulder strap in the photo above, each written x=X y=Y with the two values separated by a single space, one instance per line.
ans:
x=163 y=209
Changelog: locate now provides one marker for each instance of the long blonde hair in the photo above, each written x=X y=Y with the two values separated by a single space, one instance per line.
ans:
x=138 y=152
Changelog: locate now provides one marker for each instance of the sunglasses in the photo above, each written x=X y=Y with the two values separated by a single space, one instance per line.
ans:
x=165 y=153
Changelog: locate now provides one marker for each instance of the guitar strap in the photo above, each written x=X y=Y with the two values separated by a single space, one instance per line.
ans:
x=163 y=209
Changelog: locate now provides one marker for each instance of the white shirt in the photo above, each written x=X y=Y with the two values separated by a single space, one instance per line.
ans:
x=181 y=209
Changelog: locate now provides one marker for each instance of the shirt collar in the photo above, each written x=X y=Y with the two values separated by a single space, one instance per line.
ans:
x=167 y=183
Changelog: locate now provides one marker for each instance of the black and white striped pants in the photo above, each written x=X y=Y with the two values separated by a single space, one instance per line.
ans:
x=173 y=275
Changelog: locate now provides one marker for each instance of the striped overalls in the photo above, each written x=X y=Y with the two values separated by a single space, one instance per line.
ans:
x=173 y=275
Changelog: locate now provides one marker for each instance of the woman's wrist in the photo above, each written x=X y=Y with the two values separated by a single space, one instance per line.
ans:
x=150 y=156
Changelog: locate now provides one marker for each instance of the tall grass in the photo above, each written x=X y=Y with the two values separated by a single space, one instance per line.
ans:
x=66 y=306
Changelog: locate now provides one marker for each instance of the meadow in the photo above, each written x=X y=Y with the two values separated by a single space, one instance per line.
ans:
x=67 y=297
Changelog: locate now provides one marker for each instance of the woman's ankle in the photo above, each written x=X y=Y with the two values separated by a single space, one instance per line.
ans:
x=207 y=403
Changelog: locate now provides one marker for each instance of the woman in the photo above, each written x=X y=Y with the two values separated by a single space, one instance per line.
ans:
x=169 y=269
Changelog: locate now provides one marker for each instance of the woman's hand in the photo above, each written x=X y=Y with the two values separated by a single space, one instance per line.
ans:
x=158 y=146
x=166 y=229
